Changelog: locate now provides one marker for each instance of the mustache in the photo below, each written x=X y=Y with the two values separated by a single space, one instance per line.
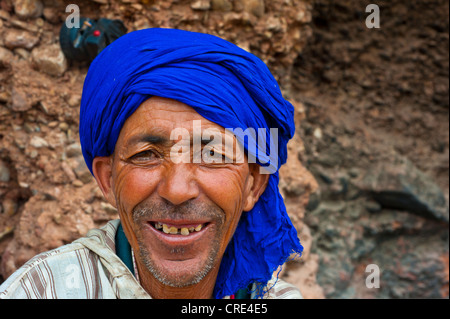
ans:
x=189 y=210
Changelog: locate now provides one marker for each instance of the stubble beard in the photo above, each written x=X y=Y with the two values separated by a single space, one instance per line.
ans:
x=156 y=211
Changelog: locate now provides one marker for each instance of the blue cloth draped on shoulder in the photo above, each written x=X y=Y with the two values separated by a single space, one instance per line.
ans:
x=223 y=83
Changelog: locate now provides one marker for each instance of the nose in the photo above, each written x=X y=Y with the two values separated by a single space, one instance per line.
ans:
x=178 y=184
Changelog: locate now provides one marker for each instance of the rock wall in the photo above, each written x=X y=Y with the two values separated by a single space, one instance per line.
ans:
x=366 y=182
x=48 y=197
x=376 y=138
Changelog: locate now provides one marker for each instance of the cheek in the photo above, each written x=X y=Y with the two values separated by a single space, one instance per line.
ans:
x=225 y=189
x=133 y=185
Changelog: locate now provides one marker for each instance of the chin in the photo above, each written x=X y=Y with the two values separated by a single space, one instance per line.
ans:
x=180 y=269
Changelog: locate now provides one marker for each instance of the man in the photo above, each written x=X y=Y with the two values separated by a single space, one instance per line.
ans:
x=184 y=133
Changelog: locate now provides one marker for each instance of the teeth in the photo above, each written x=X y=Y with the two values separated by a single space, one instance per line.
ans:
x=173 y=230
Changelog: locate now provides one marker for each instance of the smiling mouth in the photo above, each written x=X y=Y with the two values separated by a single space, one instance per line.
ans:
x=178 y=230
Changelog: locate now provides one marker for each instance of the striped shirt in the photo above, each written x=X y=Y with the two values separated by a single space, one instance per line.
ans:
x=89 y=268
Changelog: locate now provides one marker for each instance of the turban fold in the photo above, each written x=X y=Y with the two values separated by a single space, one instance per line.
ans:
x=226 y=85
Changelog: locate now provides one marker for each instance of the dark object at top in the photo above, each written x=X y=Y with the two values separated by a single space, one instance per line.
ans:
x=86 y=42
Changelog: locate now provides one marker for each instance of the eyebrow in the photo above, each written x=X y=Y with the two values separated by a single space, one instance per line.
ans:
x=162 y=140
x=148 y=138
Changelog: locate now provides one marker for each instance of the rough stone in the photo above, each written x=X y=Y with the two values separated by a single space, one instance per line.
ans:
x=20 y=140
x=81 y=171
x=77 y=183
x=4 y=172
x=50 y=59
x=63 y=126
x=297 y=181
x=9 y=206
x=68 y=170
x=20 y=101
x=8 y=230
x=15 y=38
x=108 y=208
x=201 y=5
x=73 y=150
x=28 y=8
x=31 y=27
x=74 y=100
x=399 y=184
x=6 y=58
x=221 y=5
x=21 y=52
x=38 y=142
x=255 y=7
x=4 y=15
x=51 y=15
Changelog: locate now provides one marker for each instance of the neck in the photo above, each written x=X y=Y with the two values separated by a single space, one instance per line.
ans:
x=157 y=290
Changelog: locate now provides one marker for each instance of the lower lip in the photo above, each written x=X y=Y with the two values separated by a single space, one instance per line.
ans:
x=177 y=239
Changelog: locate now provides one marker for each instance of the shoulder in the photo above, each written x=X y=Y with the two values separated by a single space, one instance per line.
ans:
x=42 y=271
x=70 y=271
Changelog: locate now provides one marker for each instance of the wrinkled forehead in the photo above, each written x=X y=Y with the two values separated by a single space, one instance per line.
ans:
x=167 y=121
x=164 y=117
x=163 y=113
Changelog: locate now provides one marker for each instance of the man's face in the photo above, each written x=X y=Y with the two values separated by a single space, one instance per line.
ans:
x=178 y=216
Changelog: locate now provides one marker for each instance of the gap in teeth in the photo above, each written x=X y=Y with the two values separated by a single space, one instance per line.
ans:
x=174 y=230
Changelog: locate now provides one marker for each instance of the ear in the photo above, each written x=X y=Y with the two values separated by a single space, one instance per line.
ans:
x=102 y=169
x=256 y=185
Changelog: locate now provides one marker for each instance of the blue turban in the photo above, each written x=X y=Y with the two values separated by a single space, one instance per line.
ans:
x=224 y=84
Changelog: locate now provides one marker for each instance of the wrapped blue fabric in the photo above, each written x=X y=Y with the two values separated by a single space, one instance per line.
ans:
x=224 y=84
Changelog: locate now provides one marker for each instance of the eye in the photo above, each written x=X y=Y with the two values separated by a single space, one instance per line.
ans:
x=213 y=156
x=144 y=156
